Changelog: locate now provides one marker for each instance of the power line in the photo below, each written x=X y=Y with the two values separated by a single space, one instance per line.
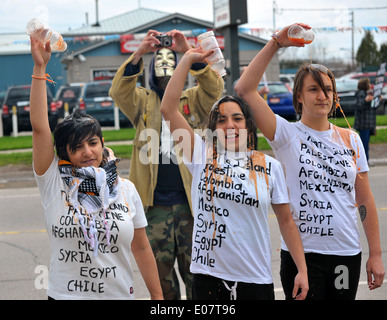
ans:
x=350 y=10
x=331 y=9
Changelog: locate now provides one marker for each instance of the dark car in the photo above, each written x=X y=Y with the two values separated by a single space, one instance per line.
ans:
x=346 y=91
x=280 y=99
x=67 y=95
x=95 y=100
x=18 y=99
x=371 y=75
x=2 y=97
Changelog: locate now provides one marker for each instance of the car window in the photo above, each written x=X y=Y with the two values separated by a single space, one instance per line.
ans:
x=18 y=94
x=276 y=88
x=346 y=86
x=70 y=93
x=22 y=94
x=97 y=90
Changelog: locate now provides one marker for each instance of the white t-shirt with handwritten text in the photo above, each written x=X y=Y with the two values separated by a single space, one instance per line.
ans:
x=75 y=273
x=320 y=169
x=231 y=199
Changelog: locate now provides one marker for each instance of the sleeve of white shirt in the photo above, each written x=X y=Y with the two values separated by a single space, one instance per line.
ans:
x=139 y=220
x=48 y=182
x=279 y=191
x=361 y=158
x=283 y=133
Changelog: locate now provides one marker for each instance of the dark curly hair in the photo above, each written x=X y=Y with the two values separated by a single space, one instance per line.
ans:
x=75 y=128
x=252 y=139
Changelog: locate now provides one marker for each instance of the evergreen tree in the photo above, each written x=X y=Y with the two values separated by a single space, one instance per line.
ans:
x=383 y=52
x=368 y=55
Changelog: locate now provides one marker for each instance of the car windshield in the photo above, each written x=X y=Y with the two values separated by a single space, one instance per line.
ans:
x=97 y=90
x=276 y=88
x=346 y=86
x=70 y=93
x=18 y=94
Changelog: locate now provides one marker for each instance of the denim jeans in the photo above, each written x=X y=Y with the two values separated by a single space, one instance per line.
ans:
x=365 y=138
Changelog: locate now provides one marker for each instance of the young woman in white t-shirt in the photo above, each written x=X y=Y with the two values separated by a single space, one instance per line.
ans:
x=94 y=219
x=232 y=189
x=326 y=173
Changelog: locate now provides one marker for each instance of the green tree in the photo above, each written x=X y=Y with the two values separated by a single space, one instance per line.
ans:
x=368 y=54
x=383 y=52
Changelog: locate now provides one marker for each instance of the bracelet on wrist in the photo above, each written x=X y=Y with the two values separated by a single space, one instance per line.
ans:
x=275 y=37
x=46 y=77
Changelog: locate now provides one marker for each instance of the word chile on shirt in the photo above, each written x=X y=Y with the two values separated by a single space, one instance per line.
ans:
x=89 y=278
x=322 y=174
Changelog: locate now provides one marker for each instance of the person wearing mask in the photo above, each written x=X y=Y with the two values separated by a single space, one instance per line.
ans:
x=232 y=189
x=164 y=182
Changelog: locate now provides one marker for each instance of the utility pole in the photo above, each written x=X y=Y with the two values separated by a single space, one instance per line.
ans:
x=353 y=38
x=96 y=14
x=352 y=20
x=228 y=14
x=274 y=13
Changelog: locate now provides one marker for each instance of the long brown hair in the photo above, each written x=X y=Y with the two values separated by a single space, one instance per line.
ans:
x=315 y=70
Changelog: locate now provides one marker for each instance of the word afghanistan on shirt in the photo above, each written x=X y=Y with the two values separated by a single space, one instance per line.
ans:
x=231 y=196
x=321 y=169
x=77 y=270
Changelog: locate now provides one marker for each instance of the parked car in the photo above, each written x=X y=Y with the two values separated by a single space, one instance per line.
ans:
x=287 y=78
x=19 y=97
x=346 y=91
x=95 y=100
x=68 y=93
x=358 y=75
x=280 y=99
x=2 y=97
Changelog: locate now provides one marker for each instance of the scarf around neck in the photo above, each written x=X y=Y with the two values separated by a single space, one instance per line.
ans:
x=91 y=190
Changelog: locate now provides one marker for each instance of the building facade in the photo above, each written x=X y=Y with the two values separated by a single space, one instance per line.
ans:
x=95 y=53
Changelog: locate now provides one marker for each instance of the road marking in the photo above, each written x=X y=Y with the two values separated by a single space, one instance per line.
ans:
x=20 y=232
x=13 y=196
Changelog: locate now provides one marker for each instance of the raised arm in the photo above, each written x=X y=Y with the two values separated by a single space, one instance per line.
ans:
x=179 y=127
x=43 y=146
x=247 y=85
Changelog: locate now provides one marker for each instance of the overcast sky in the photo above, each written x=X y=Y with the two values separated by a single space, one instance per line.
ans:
x=63 y=15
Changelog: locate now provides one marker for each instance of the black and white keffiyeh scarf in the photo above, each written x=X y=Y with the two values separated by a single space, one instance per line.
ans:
x=91 y=190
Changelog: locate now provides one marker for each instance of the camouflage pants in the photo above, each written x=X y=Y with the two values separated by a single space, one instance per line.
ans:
x=170 y=235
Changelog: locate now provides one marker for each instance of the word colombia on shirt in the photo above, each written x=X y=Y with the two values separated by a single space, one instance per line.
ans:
x=222 y=182
x=90 y=261
x=94 y=264
x=230 y=198
x=321 y=170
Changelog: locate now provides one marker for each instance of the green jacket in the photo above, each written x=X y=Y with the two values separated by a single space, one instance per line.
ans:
x=142 y=107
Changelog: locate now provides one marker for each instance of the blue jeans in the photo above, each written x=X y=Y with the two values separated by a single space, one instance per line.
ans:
x=365 y=138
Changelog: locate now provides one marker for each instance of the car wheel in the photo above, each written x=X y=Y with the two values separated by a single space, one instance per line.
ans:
x=7 y=129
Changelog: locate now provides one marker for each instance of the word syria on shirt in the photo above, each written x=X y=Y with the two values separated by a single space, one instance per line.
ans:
x=89 y=277
x=233 y=188
x=321 y=172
